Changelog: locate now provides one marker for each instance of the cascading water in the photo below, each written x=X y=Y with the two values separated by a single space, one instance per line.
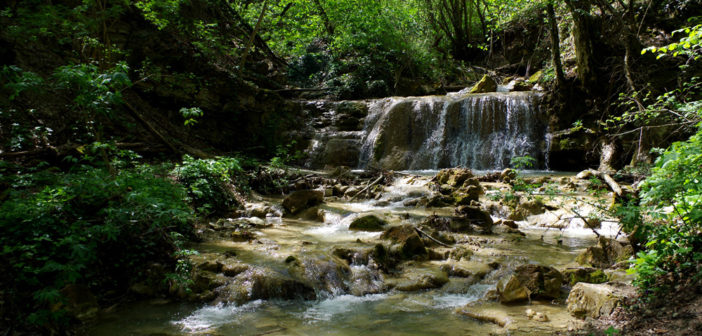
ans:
x=480 y=131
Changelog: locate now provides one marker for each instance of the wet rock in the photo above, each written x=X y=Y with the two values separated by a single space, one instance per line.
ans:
x=527 y=208
x=508 y=174
x=302 y=199
x=480 y=313
x=464 y=196
x=530 y=281
x=589 y=275
x=204 y=281
x=595 y=300
x=454 y=177
x=328 y=273
x=232 y=267
x=438 y=200
x=410 y=244
x=486 y=84
x=460 y=253
x=606 y=253
x=79 y=302
x=367 y=223
x=476 y=216
x=265 y=284
x=259 y=210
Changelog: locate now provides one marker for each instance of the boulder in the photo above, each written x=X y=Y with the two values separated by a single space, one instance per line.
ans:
x=596 y=300
x=464 y=196
x=454 y=177
x=367 y=223
x=322 y=272
x=526 y=209
x=80 y=303
x=341 y=152
x=508 y=174
x=264 y=284
x=486 y=84
x=606 y=253
x=475 y=215
x=410 y=244
x=530 y=281
x=302 y=199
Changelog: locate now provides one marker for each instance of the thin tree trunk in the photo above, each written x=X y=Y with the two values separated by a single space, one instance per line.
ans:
x=253 y=35
x=327 y=24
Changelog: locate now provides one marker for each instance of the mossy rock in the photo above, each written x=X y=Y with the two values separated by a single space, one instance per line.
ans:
x=367 y=223
x=485 y=85
x=589 y=275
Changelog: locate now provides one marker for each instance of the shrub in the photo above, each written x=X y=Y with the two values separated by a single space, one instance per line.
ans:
x=210 y=183
x=85 y=227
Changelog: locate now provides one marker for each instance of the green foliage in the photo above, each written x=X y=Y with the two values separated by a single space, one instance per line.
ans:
x=84 y=227
x=190 y=115
x=671 y=199
x=210 y=183
x=522 y=162
x=689 y=45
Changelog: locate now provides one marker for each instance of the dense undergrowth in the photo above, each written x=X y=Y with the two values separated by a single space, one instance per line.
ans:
x=101 y=230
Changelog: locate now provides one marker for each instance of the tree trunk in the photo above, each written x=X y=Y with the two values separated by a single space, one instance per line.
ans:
x=252 y=36
x=584 y=48
x=328 y=26
x=555 y=47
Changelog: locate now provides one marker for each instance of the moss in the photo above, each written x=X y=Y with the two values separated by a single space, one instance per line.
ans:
x=367 y=223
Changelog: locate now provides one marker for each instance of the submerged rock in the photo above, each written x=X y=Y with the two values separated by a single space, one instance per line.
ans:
x=302 y=199
x=595 y=300
x=367 y=223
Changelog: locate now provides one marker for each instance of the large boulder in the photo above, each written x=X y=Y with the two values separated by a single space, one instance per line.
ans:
x=595 y=300
x=259 y=283
x=302 y=199
x=367 y=223
x=530 y=281
x=329 y=273
x=486 y=84
x=606 y=253
x=341 y=152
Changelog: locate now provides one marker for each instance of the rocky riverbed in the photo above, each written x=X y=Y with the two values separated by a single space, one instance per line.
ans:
x=400 y=254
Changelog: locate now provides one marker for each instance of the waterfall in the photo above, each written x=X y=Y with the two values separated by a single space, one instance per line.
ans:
x=479 y=131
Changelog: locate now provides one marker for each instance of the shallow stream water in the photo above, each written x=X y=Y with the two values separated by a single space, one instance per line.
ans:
x=390 y=312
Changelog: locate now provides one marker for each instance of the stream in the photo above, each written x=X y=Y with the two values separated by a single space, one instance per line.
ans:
x=359 y=297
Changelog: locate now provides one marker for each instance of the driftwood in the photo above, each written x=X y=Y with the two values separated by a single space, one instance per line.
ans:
x=367 y=187
x=612 y=184
x=430 y=237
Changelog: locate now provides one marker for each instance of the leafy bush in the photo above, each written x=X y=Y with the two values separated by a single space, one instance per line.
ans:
x=209 y=182
x=84 y=227
x=671 y=199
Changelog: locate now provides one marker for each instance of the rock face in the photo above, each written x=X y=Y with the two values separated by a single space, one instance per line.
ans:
x=302 y=199
x=595 y=300
x=530 y=281
x=606 y=253
x=367 y=223
x=486 y=84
